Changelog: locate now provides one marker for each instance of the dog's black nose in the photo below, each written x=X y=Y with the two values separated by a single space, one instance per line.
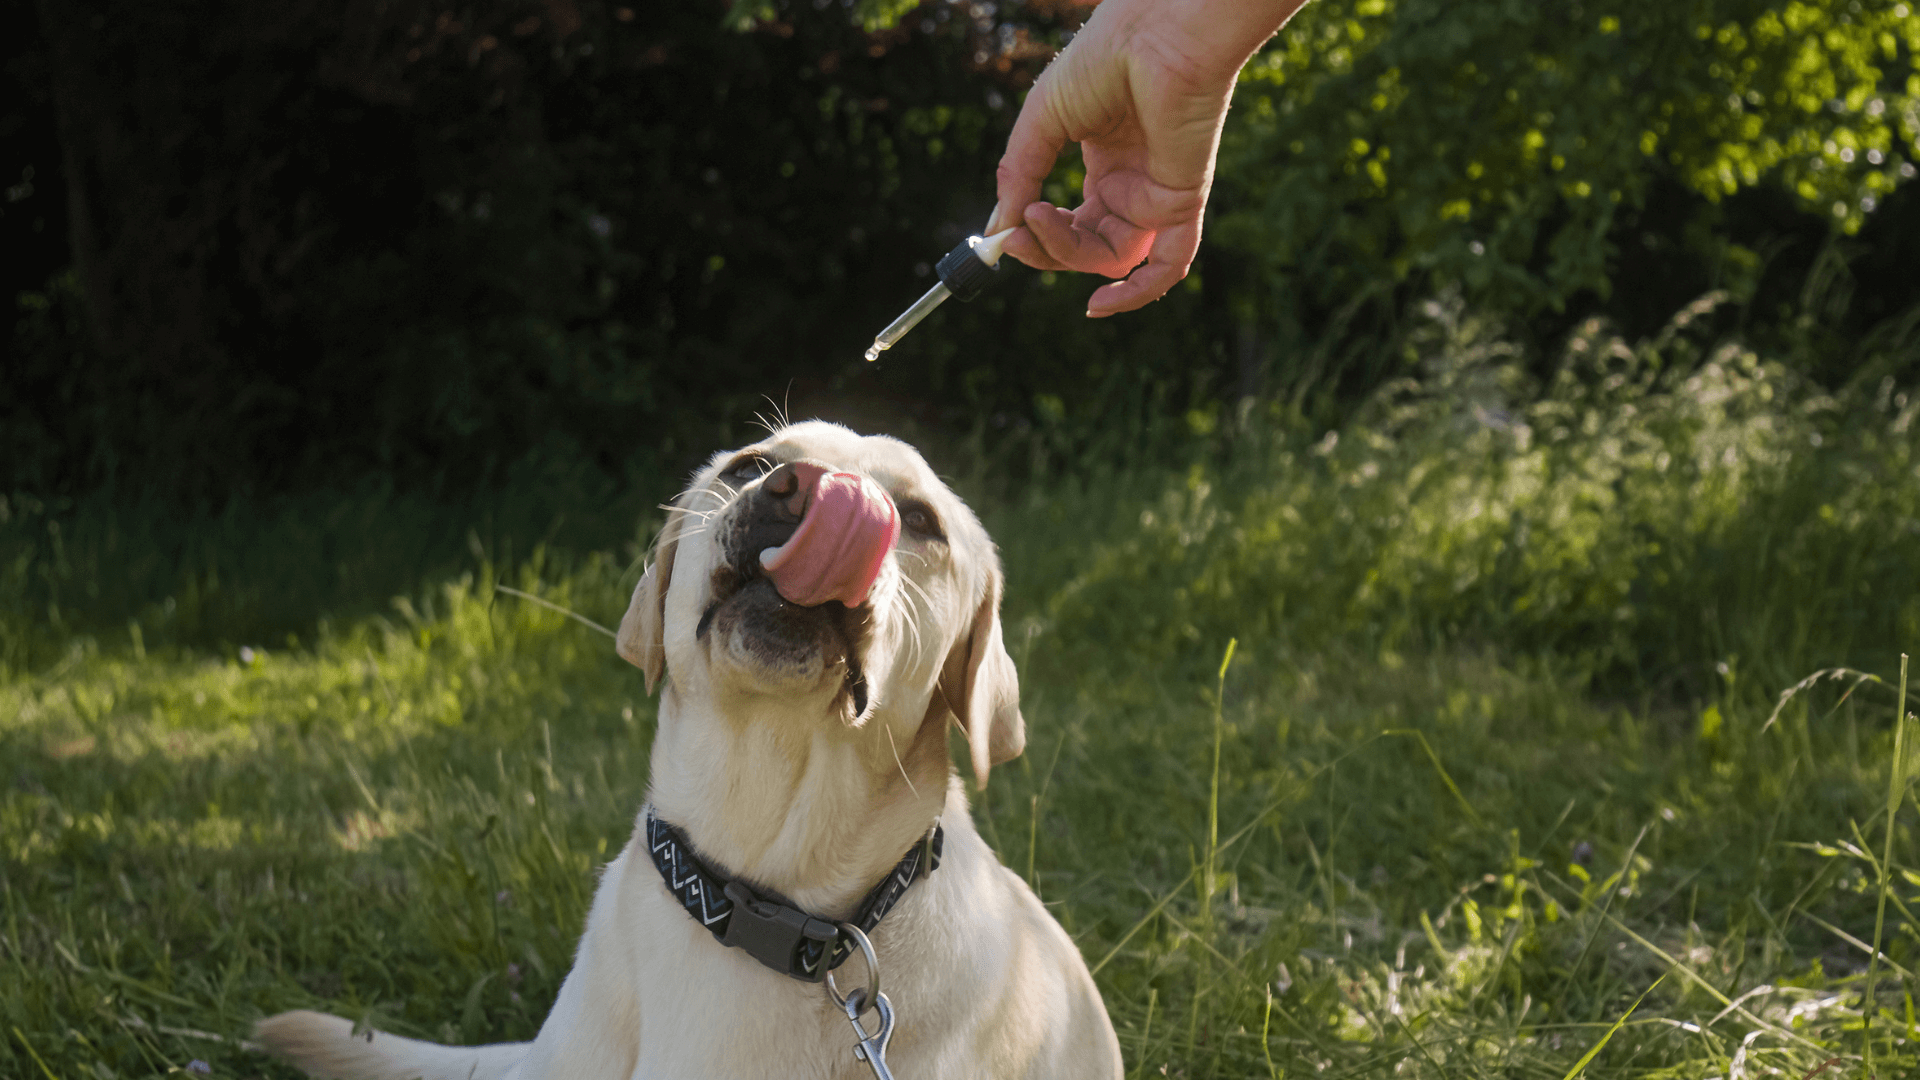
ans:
x=772 y=511
x=788 y=489
x=782 y=481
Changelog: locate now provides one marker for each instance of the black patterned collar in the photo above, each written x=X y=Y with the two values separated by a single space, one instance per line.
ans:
x=771 y=930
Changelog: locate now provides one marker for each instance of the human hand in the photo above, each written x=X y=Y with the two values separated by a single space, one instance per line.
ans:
x=1144 y=88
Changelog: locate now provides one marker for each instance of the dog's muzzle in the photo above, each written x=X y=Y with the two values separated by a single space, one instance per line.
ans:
x=847 y=527
x=801 y=550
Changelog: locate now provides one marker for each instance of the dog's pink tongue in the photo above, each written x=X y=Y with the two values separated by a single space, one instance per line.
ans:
x=836 y=554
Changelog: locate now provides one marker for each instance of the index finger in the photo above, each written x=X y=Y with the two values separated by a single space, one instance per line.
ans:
x=1035 y=144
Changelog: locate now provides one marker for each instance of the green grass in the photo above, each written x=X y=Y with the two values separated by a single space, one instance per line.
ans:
x=1498 y=782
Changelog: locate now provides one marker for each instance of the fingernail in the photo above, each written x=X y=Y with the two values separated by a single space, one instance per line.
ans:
x=993 y=222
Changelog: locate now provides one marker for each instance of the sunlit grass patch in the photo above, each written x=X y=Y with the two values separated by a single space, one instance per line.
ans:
x=1397 y=935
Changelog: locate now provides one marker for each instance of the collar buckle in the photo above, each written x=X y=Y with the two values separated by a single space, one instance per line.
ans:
x=783 y=938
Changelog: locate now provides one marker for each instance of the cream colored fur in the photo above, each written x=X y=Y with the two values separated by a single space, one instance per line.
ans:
x=774 y=778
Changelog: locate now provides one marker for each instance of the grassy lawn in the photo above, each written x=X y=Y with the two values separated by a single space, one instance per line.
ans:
x=1497 y=783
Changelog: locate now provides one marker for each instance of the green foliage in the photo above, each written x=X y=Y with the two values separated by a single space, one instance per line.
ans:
x=458 y=240
x=448 y=242
x=1510 y=148
x=871 y=15
x=1653 y=511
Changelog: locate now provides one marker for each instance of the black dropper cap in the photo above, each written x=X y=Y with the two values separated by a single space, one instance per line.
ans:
x=962 y=271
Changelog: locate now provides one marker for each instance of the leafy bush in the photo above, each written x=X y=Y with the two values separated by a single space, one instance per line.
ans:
x=1538 y=157
x=426 y=244
x=1653 y=513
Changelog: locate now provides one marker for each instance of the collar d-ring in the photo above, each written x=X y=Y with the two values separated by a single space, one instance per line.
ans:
x=872 y=989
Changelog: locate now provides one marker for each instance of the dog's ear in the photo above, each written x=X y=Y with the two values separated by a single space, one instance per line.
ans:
x=642 y=640
x=983 y=689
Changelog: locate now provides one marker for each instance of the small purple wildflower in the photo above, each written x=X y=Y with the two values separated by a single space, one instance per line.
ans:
x=199 y=1068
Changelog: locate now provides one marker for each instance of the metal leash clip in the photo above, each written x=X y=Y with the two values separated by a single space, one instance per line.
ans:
x=872 y=1047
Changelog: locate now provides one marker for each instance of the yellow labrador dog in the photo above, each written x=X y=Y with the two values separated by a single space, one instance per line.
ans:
x=818 y=608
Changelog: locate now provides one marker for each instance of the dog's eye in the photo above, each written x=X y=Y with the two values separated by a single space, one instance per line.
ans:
x=748 y=469
x=919 y=519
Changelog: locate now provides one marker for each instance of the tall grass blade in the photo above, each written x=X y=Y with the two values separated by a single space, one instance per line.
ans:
x=1626 y=865
x=1209 y=885
x=1711 y=990
x=1594 y=1050
x=1896 y=794
x=35 y=1054
x=1856 y=943
x=1445 y=778
x=1146 y=1031
x=1158 y=907
x=1266 y=1027
x=551 y=606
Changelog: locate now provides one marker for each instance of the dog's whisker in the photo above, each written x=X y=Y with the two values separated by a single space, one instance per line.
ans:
x=901 y=765
x=924 y=604
x=682 y=511
x=690 y=492
x=919 y=643
x=908 y=627
x=779 y=414
x=695 y=532
x=687 y=511
x=916 y=589
x=710 y=493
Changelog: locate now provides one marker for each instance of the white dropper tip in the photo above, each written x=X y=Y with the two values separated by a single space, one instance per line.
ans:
x=987 y=248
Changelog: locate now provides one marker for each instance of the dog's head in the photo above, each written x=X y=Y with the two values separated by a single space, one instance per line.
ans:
x=836 y=573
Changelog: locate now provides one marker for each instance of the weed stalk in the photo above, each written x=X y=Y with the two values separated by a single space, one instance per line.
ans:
x=1896 y=794
x=1209 y=884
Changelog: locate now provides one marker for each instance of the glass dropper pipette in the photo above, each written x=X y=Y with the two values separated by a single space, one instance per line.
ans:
x=963 y=273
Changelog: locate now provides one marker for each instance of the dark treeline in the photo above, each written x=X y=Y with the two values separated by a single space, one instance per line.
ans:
x=285 y=243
